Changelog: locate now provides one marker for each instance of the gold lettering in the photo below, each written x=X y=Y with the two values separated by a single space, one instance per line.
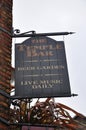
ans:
x=28 y=51
x=56 y=81
x=38 y=68
x=21 y=82
x=58 y=46
x=26 y=68
x=50 y=53
x=32 y=68
x=41 y=54
x=21 y=47
x=50 y=85
x=44 y=81
x=46 y=53
x=42 y=86
x=48 y=67
x=26 y=83
x=41 y=83
x=34 y=86
x=29 y=82
x=39 y=51
x=41 y=40
x=50 y=47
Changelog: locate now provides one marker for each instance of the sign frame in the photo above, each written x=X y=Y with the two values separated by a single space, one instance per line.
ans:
x=41 y=68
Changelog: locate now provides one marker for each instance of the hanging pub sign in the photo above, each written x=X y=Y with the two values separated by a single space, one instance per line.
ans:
x=41 y=69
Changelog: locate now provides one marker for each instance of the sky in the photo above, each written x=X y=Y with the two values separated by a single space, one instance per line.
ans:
x=58 y=16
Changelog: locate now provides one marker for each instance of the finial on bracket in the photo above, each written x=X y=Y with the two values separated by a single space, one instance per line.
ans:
x=74 y=95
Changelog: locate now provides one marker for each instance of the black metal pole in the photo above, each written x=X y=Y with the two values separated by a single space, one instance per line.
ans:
x=41 y=34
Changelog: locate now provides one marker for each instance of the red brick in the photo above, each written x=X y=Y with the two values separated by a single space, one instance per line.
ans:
x=5 y=57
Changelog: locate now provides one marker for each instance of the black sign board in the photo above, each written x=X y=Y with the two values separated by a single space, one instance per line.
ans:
x=41 y=68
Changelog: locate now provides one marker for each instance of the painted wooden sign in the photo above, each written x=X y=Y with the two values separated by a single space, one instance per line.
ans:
x=41 y=68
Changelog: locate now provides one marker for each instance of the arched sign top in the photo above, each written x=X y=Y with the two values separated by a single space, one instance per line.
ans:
x=38 y=39
x=41 y=68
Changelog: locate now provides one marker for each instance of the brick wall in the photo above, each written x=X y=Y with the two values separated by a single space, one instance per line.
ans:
x=5 y=58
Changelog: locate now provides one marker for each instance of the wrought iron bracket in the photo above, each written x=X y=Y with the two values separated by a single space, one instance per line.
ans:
x=17 y=34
